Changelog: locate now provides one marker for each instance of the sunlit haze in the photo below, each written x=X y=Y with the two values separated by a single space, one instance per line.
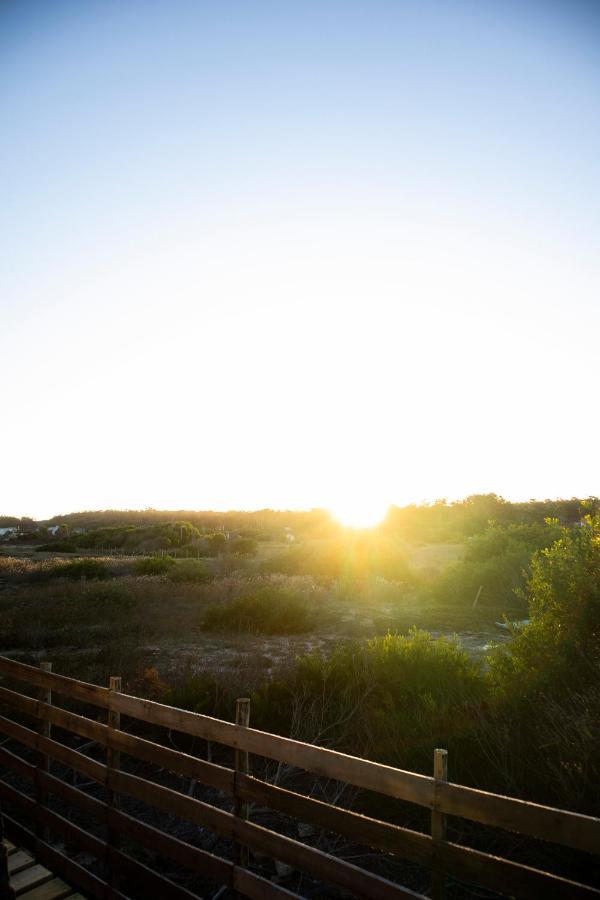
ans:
x=294 y=255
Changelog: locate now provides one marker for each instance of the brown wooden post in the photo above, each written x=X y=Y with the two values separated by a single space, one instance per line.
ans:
x=242 y=765
x=438 y=820
x=44 y=727
x=113 y=761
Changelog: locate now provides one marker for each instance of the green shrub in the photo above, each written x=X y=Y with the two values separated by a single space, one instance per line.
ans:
x=393 y=698
x=91 y=568
x=244 y=547
x=561 y=644
x=190 y=570
x=153 y=565
x=195 y=692
x=270 y=609
x=72 y=569
x=498 y=561
x=60 y=546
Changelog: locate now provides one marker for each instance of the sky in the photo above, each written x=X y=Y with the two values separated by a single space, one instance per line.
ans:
x=297 y=254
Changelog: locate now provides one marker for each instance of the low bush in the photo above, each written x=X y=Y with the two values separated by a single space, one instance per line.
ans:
x=59 y=546
x=153 y=565
x=191 y=570
x=76 y=568
x=267 y=609
x=243 y=547
x=498 y=561
x=392 y=698
x=72 y=569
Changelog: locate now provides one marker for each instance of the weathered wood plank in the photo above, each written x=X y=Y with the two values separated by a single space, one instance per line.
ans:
x=193 y=858
x=356 y=881
x=362 y=829
x=57 y=862
x=220 y=870
x=258 y=888
x=559 y=826
x=461 y=862
x=155 y=885
x=211 y=774
x=17 y=764
x=506 y=877
x=58 y=751
x=556 y=825
x=56 y=889
x=172 y=801
x=19 y=860
x=30 y=878
x=362 y=884
x=69 y=687
x=86 y=802
x=173 y=760
x=329 y=763
x=72 y=871
x=95 y=731
x=42 y=815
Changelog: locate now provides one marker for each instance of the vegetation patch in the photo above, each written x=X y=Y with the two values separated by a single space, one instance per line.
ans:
x=269 y=609
x=153 y=565
x=190 y=570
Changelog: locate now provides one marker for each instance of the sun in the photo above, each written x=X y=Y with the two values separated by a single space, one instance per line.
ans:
x=359 y=513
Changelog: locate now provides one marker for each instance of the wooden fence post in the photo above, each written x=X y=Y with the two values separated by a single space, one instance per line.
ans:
x=242 y=765
x=44 y=727
x=438 y=820
x=113 y=761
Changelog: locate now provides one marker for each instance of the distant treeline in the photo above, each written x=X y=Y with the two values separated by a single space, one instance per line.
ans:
x=209 y=520
x=443 y=521
x=432 y=522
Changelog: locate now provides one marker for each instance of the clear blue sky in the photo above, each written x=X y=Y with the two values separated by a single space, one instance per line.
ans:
x=295 y=254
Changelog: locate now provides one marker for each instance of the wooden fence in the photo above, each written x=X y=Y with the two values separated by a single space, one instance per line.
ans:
x=119 y=874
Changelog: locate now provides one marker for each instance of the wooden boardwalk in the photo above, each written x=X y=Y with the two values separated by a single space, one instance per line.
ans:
x=28 y=880
x=36 y=759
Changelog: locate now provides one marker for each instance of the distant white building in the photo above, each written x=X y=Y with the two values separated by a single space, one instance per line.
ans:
x=53 y=530
x=7 y=533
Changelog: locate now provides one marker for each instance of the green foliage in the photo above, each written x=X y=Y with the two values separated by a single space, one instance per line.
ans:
x=158 y=536
x=89 y=567
x=153 y=565
x=545 y=682
x=59 y=546
x=394 y=697
x=244 y=547
x=449 y=522
x=190 y=570
x=195 y=692
x=72 y=569
x=562 y=641
x=215 y=543
x=268 y=609
x=498 y=561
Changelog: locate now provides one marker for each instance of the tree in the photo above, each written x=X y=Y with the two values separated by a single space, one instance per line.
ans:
x=562 y=642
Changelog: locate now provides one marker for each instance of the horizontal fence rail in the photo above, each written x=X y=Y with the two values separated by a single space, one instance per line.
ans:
x=441 y=856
